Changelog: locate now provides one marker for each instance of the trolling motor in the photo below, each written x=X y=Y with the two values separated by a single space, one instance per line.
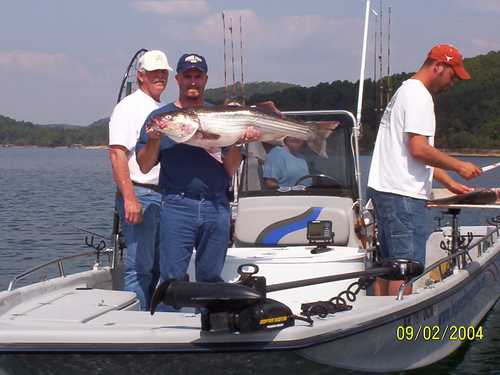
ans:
x=244 y=307
x=234 y=307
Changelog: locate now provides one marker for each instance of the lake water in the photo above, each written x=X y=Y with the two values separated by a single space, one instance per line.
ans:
x=47 y=194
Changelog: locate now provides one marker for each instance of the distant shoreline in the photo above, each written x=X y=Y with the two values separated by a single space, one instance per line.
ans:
x=478 y=155
x=473 y=152
x=459 y=152
x=98 y=147
x=467 y=152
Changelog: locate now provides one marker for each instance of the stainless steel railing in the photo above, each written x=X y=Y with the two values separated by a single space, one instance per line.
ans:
x=482 y=244
x=60 y=264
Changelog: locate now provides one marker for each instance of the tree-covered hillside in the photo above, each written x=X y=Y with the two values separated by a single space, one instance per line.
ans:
x=468 y=116
x=218 y=95
x=19 y=133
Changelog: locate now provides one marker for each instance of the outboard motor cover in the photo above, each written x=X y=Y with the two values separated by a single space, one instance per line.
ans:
x=269 y=314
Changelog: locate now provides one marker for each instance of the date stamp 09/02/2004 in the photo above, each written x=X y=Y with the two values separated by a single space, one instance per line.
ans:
x=438 y=333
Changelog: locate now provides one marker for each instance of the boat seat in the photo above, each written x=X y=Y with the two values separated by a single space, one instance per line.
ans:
x=77 y=305
x=267 y=221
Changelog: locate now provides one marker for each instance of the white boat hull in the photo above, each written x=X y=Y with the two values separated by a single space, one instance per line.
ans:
x=439 y=326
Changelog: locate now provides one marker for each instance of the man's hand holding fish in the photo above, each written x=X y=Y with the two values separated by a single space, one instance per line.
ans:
x=151 y=129
x=251 y=134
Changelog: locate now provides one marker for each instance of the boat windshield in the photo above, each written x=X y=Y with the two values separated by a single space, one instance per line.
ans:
x=291 y=167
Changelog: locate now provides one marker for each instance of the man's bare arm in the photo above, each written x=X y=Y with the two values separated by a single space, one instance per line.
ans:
x=121 y=174
x=232 y=159
x=420 y=149
x=148 y=156
x=449 y=183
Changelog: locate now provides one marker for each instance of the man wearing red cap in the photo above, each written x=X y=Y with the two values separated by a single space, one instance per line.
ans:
x=405 y=160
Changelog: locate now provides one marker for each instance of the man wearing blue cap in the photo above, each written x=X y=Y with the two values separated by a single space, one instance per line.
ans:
x=194 y=184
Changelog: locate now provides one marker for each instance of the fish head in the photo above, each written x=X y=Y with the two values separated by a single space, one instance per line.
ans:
x=179 y=126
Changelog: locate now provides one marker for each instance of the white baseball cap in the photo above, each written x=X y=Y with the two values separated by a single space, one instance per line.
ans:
x=153 y=60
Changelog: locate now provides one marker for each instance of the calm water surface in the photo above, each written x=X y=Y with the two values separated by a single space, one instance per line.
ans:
x=47 y=194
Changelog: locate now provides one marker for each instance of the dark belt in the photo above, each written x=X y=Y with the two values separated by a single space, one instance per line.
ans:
x=148 y=186
x=198 y=196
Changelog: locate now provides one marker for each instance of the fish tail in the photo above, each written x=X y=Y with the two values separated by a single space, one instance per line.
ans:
x=320 y=132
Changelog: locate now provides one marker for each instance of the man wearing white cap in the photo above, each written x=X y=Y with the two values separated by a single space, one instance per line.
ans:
x=138 y=201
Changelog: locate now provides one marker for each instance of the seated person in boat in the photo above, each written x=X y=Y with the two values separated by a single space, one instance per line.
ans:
x=405 y=160
x=285 y=165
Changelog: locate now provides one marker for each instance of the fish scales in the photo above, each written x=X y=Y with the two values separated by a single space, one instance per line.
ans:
x=223 y=120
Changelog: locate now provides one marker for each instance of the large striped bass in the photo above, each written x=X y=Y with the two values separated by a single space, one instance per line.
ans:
x=210 y=128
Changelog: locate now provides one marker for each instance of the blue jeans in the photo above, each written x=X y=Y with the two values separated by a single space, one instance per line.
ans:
x=187 y=223
x=141 y=272
x=401 y=225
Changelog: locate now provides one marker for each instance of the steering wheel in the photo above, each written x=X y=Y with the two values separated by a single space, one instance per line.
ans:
x=316 y=178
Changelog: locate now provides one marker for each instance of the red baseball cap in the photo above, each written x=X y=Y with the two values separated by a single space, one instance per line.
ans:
x=451 y=56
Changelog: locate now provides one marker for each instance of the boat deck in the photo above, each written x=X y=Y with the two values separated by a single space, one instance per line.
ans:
x=111 y=316
x=78 y=305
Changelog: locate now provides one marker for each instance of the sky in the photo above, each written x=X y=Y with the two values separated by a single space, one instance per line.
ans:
x=62 y=61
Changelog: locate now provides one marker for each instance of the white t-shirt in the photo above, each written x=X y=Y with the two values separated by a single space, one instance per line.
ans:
x=393 y=169
x=124 y=127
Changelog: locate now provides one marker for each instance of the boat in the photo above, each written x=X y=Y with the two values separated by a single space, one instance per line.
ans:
x=297 y=285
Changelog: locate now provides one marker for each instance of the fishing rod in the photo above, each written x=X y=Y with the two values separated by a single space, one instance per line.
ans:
x=225 y=59
x=125 y=88
x=388 y=88
x=381 y=60
x=241 y=61
x=232 y=55
x=375 y=60
x=127 y=73
x=92 y=233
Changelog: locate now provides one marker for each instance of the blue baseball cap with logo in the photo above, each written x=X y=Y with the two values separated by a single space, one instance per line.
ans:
x=192 y=61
